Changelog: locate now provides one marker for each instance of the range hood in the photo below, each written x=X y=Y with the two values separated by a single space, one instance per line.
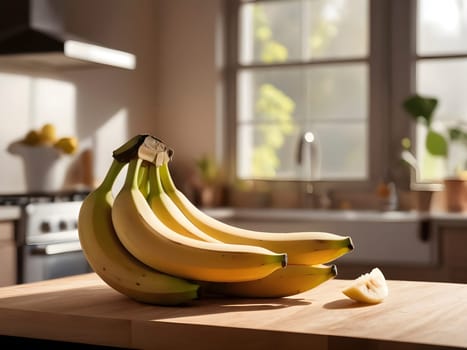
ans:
x=32 y=35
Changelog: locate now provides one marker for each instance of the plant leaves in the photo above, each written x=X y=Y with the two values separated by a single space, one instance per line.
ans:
x=436 y=144
x=421 y=107
x=456 y=134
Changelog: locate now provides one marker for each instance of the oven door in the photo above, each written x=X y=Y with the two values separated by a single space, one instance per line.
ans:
x=54 y=260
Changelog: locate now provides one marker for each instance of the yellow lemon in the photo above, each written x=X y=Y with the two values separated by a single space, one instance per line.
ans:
x=31 y=138
x=68 y=145
x=48 y=134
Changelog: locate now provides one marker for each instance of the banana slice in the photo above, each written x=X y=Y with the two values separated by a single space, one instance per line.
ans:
x=370 y=288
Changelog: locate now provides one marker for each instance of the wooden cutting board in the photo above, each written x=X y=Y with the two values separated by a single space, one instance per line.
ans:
x=83 y=309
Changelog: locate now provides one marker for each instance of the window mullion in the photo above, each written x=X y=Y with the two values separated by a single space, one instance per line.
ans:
x=378 y=167
x=402 y=73
x=231 y=14
x=312 y=62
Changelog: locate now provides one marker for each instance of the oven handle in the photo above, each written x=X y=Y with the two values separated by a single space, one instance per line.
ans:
x=57 y=248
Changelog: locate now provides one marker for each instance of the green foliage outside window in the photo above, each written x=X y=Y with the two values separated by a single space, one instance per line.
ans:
x=273 y=107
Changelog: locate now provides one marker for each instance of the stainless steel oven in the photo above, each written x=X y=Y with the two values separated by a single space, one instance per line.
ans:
x=48 y=241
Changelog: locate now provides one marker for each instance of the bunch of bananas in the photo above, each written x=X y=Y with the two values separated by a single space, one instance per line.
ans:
x=153 y=245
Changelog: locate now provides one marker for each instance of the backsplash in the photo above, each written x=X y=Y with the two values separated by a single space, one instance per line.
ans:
x=26 y=102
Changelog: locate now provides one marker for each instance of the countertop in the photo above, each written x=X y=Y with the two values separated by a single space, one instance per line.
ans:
x=85 y=310
x=333 y=215
x=9 y=213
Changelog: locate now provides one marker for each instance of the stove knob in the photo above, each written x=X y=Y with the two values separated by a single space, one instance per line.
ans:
x=45 y=227
x=62 y=225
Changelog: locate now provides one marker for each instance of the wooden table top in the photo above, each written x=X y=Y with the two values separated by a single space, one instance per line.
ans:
x=84 y=309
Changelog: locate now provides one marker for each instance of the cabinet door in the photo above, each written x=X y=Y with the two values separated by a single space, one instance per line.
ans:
x=454 y=253
x=7 y=254
x=454 y=247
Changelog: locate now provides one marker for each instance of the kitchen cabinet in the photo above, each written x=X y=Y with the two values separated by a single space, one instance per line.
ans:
x=83 y=309
x=449 y=233
x=454 y=252
x=7 y=253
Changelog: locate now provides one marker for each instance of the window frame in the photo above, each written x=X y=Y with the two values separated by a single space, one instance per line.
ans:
x=438 y=57
x=392 y=30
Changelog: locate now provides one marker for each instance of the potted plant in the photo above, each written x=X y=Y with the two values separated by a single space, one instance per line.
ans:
x=421 y=109
x=209 y=181
x=440 y=146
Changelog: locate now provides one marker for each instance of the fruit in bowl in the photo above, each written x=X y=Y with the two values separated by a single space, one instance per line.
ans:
x=46 y=136
x=46 y=157
x=32 y=138
x=68 y=145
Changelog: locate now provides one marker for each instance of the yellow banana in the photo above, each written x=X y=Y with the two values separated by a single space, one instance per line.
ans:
x=291 y=280
x=113 y=263
x=158 y=246
x=168 y=212
x=305 y=248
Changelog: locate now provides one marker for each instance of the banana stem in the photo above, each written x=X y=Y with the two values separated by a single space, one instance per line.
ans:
x=167 y=182
x=143 y=146
x=129 y=150
x=111 y=176
x=143 y=177
x=131 y=180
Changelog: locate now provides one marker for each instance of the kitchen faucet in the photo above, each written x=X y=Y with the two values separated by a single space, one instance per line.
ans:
x=308 y=139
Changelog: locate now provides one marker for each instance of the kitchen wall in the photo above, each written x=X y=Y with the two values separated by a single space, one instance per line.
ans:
x=189 y=79
x=173 y=93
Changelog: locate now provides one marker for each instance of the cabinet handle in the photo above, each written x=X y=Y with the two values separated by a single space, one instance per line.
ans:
x=424 y=232
x=57 y=248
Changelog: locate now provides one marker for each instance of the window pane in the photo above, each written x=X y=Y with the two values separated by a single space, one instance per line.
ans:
x=338 y=151
x=336 y=28
x=342 y=147
x=337 y=92
x=270 y=32
x=270 y=94
x=264 y=152
x=281 y=31
x=440 y=78
x=308 y=93
x=442 y=26
x=276 y=106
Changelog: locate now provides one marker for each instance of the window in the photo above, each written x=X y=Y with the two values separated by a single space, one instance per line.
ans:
x=331 y=76
x=441 y=71
x=296 y=58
